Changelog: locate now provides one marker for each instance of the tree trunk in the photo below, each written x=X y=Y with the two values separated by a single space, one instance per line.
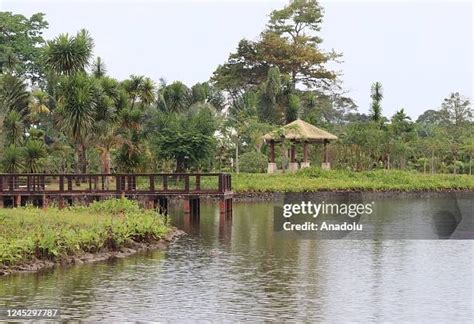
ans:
x=105 y=160
x=83 y=159
x=432 y=162
x=237 y=169
x=470 y=165
x=180 y=165
x=78 y=161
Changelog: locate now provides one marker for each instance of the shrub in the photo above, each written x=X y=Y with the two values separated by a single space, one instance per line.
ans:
x=253 y=162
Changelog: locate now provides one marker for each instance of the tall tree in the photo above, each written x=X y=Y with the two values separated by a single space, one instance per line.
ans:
x=21 y=39
x=98 y=68
x=376 y=106
x=456 y=110
x=290 y=42
x=76 y=111
x=69 y=54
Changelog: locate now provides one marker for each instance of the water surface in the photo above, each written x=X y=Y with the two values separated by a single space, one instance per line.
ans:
x=241 y=270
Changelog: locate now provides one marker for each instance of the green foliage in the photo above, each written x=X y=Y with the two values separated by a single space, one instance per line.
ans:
x=253 y=162
x=20 y=44
x=316 y=179
x=12 y=161
x=28 y=233
x=187 y=138
x=69 y=54
x=33 y=154
x=13 y=128
x=290 y=42
x=115 y=206
x=377 y=96
x=13 y=94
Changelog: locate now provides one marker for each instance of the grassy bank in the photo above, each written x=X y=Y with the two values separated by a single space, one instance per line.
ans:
x=314 y=179
x=30 y=234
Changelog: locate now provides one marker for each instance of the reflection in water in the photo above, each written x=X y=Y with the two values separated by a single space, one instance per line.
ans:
x=240 y=270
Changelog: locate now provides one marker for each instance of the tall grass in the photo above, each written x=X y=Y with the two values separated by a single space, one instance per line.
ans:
x=316 y=179
x=27 y=233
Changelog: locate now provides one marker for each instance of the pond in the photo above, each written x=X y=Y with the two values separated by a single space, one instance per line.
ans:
x=242 y=270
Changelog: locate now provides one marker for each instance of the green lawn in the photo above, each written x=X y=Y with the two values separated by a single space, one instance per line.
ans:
x=314 y=179
x=28 y=233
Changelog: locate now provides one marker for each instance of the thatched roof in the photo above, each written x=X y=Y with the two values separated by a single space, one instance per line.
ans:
x=300 y=130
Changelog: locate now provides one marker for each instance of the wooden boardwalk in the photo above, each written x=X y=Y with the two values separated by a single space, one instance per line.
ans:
x=155 y=189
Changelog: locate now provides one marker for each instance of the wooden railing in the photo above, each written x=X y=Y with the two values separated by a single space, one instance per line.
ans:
x=158 y=183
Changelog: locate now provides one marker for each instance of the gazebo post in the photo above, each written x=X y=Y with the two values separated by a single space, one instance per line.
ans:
x=326 y=165
x=305 y=163
x=272 y=167
x=293 y=166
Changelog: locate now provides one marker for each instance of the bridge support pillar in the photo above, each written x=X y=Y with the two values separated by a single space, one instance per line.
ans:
x=17 y=201
x=45 y=202
x=61 y=202
x=162 y=205
x=150 y=203
x=225 y=206
x=192 y=207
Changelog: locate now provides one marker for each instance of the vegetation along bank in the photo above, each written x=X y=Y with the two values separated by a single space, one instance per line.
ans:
x=315 y=179
x=32 y=239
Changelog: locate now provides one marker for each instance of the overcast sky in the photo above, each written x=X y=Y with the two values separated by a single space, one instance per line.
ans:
x=420 y=51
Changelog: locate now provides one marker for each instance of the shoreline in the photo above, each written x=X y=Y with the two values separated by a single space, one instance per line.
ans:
x=256 y=196
x=37 y=265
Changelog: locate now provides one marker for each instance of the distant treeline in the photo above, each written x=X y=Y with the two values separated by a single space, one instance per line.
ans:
x=61 y=112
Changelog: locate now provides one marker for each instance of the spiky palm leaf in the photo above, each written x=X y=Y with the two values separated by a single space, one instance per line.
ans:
x=98 y=68
x=12 y=159
x=13 y=128
x=13 y=94
x=77 y=105
x=33 y=153
x=68 y=55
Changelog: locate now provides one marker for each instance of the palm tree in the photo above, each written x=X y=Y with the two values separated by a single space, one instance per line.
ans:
x=176 y=97
x=12 y=159
x=68 y=55
x=13 y=94
x=38 y=105
x=132 y=87
x=377 y=96
x=98 y=68
x=76 y=112
x=8 y=61
x=13 y=128
x=33 y=153
x=147 y=92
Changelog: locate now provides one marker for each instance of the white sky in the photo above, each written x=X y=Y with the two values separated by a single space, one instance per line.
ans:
x=420 y=51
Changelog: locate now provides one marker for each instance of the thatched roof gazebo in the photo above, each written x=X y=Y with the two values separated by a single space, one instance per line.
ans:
x=298 y=132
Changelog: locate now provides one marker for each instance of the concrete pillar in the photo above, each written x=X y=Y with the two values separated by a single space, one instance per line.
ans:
x=271 y=168
x=326 y=165
x=305 y=163
x=293 y=166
